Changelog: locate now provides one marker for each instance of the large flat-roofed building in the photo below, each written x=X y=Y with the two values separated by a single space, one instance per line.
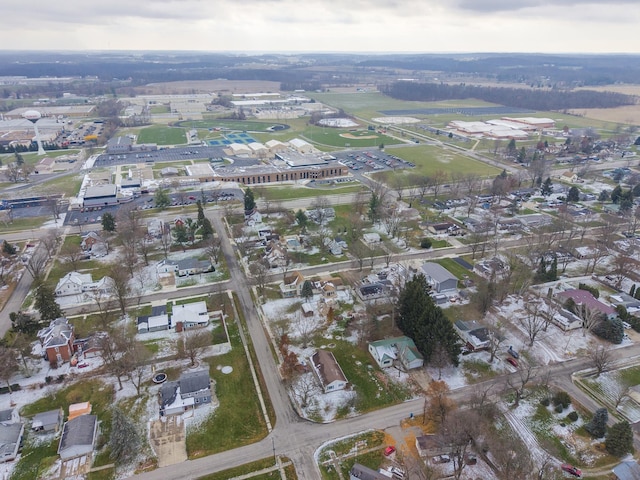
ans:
x=119 y=145
x=100 y=196
x=201 y=171
x=274 y=174
x=54 y=111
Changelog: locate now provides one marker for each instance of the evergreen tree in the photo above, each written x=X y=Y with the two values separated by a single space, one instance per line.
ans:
x=374 y=207
x=180 y=235
x=162 y=198
x=546 y=187
x=619 y=439
x=637 y=294
x=8 y=248
x=573 y=195
x=201 y=216
x=632 y=290
x=522 y=155
x=616 y=194
x=307 y=290
x=511 y=147
x=552 y=273
x=207 y=228
x=597 y=427
x=302 y=220
x=124 y=438
x=45 y=303
x=108 y=222
x=424 y=322
x=249 y=201
x=604 y=196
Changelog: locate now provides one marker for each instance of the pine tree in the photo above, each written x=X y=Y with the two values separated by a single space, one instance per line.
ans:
x=424 y=322
x=249 y=201
x=307 y=290
x=597 y=427
x=546 y=187
x=201 y=217
x=124 y=439
x=632 y=291
x=302 y=220
x=619 y=439
x=207 y=228
x=552 y=273
x=45 y=303
x=108 y=222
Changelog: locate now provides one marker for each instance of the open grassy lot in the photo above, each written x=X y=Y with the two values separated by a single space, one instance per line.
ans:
x=367 y=382
x=31 y=158
x=23 y=224
x=162 y=135
x=289 y=193
x=430 y=159
x=239 y=414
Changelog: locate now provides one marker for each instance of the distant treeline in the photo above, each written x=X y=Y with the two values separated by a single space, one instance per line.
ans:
x=513 y=97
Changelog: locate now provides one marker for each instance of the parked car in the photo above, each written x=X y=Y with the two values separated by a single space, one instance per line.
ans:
x=513 y=353
x=441 y=459
x=571 y=469
x=389 y=450
x=512 y=361
x=397 y=472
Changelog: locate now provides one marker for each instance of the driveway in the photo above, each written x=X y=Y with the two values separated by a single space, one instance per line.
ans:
x=168 y=440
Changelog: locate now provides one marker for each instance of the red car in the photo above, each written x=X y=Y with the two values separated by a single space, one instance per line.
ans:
x=512 y=361
x=571 y=469
x=389 y=450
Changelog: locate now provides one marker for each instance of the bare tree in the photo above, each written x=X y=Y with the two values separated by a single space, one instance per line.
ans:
x=105 y=304
x=213 y=248
x=72 y=254
x=590 y=317
x=144 y=244
x=437 y=181
x=50 y=241
x=510 y=456
x=459 y=431
x=166 y=239
x=601 y=358
x=439 y=358
x=259 y=269
x=320 y=205
x=8 y=364
x=518 y=382
x=37 y=264
x=532 y=321
x=113 y=347
x=119 y=273
x=137 y=357
x=305 y=327
x=439 y=405
x=303 y=388
x=195 y=341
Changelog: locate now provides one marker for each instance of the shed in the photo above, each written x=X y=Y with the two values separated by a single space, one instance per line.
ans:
x=46 y=422
x=79 y=409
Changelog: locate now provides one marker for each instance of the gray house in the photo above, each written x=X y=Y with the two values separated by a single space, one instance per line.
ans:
x=78 y=437
x=10 y=438
x=191 y=390
x=46 y=422
x=440 y=279
x=157 y=321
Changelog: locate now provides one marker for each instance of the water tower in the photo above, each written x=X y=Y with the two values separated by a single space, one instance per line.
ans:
x=33 y=116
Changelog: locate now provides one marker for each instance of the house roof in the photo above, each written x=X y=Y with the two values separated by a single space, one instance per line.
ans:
x=58 y=333
x=9 y=436
x=46 y=418
x=629 y=470
x=583 y=297
x=168 y=393
x=190 y=312
x=78 y=432
x=327 y=367
x=391 y=347
x=76 y=278
x=191 y=382
x=437 y=272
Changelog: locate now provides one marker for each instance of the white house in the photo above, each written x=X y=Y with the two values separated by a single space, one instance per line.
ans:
x=402 y=349
x=328 y=371
x=75 y=283
x=190 y=315
x=440 y=279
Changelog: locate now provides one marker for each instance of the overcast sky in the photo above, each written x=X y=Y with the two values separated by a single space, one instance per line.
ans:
x=579 y=26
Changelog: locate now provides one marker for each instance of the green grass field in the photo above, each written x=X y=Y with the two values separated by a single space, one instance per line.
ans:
x=289 y=193
x=31 y=158
x=430 y=159
x=241 y=125
x=162 y=135
x=334 y=137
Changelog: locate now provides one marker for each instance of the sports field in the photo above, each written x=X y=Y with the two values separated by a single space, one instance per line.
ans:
x=346 y=138
x=161 y=135
x=239 y=125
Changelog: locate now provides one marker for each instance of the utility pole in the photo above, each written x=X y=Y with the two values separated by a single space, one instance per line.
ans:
x=273 y=444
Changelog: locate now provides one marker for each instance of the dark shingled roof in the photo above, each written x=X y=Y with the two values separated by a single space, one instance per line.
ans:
x=78 y=431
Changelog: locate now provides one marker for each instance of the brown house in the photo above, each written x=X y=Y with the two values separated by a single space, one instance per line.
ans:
x=57 y=341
